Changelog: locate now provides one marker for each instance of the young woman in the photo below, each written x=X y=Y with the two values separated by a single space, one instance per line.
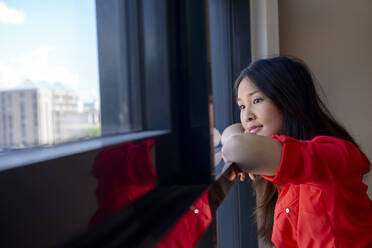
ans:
x=311 y=192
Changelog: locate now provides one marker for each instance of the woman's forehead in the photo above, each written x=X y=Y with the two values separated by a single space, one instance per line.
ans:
x=246 y=88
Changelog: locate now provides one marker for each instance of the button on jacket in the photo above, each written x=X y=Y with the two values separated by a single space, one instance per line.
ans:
x=322 y=201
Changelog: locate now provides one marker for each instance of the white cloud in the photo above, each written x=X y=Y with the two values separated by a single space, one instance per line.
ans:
x=35 y=66
x=10 y=16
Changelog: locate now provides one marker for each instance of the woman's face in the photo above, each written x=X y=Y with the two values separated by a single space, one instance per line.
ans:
x=258 y=114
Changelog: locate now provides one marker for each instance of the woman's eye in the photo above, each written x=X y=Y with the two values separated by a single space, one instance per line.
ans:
x=257 y=100
x=241 y=107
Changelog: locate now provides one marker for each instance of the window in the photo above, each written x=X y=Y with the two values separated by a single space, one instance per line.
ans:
x=61 y=62
x=147 y=90
x=153 y=61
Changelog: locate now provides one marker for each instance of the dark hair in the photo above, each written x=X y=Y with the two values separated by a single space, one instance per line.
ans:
x=290 y=85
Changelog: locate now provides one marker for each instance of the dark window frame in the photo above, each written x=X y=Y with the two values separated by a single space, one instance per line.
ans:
x=231 y=51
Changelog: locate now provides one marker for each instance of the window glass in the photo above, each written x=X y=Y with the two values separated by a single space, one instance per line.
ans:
x=48 y=73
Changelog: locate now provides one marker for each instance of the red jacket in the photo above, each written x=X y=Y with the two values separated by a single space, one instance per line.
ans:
x=322 y=200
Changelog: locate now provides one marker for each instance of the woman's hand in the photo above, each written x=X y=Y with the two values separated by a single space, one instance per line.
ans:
x=252 y=176
x=232 y=130
x=234 y=172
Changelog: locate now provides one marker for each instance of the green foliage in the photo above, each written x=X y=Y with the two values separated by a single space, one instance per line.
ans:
x=93 y=132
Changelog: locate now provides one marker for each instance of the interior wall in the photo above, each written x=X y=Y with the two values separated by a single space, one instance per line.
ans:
x=264 y=28
x=334 y=38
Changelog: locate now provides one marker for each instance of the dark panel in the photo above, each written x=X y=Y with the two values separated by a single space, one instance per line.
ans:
x=134 y=62
x=118 y=65
x=156 y=66
x=194 y=57
x=194 y=80
x=45 y=204
x=219 y=18
x=189 y=91
x=241 y=58
x=230 y=52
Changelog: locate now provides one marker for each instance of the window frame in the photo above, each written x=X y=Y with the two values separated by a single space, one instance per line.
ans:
x=231 y=48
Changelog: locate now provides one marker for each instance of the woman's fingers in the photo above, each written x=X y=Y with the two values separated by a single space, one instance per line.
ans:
x=234 y=172
x=252 y=176
x=243 y=176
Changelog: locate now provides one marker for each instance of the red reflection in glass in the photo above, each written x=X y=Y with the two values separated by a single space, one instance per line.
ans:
x=126 y=173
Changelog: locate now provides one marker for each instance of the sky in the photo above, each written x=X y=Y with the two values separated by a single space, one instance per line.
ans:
x=49 y=40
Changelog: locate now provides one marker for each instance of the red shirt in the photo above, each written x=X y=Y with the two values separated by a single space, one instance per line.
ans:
x=322 y=200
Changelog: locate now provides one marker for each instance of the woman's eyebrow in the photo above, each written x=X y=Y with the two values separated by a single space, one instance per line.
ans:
x=249 y=94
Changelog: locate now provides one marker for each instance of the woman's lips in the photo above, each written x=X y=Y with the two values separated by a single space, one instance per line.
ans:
x=255 y=129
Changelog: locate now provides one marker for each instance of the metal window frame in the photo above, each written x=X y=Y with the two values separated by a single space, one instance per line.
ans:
x=231 y=52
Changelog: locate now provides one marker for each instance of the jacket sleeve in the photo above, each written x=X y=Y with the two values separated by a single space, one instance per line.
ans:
x=323 y=159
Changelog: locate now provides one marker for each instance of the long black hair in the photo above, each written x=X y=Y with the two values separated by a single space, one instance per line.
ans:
x=289 y=84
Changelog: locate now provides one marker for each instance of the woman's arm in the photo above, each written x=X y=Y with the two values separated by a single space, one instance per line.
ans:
x=253 y=153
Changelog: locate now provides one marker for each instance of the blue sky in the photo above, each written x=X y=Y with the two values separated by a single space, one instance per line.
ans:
x=50 y=40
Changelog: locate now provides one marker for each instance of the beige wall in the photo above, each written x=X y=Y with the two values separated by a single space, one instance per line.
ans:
x=334 y=37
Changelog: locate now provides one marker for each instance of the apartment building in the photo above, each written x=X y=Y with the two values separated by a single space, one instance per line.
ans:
x=43 y=116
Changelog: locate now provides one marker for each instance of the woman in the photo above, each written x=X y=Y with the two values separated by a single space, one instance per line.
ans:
x=312 y=194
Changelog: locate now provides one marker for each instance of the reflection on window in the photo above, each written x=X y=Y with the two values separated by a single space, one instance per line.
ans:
x=48 y=73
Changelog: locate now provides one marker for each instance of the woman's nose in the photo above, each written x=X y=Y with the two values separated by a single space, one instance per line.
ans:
x=249 y=116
